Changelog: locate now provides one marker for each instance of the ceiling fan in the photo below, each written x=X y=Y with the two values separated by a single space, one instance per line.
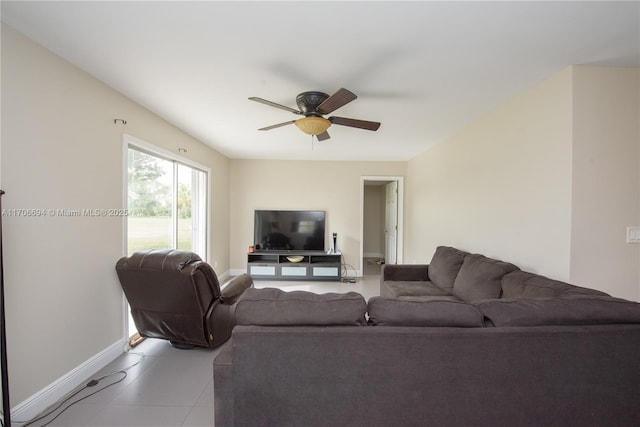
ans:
x=313 y=105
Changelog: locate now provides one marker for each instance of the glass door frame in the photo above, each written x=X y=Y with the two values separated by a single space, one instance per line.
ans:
x=129 y=141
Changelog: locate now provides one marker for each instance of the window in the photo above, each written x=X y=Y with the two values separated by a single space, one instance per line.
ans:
x=167 y=202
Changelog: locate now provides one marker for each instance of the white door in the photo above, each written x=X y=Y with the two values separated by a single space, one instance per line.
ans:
x=391 y=223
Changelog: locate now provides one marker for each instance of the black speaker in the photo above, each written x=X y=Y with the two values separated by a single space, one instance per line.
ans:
x=335 y=243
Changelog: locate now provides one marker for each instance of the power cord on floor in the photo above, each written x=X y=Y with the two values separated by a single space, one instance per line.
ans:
x=345 y=272
x=73 y=393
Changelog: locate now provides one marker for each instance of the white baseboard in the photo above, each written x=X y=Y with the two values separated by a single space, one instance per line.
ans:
x=373 y=255
x=55 y=391
x=222 y=278
x=358 y=273
x=237 y=271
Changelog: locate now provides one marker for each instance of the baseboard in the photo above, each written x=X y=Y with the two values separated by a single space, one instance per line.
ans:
x=372 y=255
x=237 y=271
x=55 y=391
x=358 y=273
x=222 y=278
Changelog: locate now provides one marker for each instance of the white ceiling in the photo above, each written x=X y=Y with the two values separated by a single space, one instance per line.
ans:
x=423 y=69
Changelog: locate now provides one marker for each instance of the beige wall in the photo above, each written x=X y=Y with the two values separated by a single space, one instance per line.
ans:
x=549 y=181
x=61 y=150
x=500 y=187
x=606 y=179
x=282 y=184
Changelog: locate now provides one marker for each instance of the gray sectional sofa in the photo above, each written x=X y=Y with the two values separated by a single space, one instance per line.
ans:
x=457 y=275
x=464 y=341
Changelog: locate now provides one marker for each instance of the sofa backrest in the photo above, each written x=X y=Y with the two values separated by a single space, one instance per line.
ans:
x=522 y=284
x=565 y=311
x=408 y=376
x=480 y=278
x=445 y=265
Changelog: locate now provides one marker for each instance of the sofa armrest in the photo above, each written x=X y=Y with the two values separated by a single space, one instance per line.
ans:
x=404 y=272
x=221 y=317
x=235 y=287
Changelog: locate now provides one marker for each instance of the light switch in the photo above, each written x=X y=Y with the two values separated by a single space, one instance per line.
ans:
x=633 y=234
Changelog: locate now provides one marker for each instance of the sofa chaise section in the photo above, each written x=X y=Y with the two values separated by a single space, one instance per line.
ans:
x=423 y=280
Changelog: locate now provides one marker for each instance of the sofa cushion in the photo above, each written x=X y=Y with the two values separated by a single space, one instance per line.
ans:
x=420 y=312
x=480 y=278
x=522 y=284
x=397 y=289
x=445 y=265
x=274 y=307
x=573 y=310
x=429 y=298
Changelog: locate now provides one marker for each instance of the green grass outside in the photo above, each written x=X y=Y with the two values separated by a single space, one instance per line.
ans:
x=155 y=233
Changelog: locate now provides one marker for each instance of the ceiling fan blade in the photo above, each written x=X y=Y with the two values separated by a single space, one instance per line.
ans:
x=355 y=123
x=273 y=104
x=278 y=125
x=323 y=136
x=337 y=100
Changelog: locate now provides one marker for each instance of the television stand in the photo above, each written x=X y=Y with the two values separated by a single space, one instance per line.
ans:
x=274 y=265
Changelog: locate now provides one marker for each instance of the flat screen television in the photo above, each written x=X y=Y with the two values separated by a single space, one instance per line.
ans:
x=295 y=231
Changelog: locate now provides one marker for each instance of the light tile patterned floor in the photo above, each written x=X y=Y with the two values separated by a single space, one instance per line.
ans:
x=165 y=386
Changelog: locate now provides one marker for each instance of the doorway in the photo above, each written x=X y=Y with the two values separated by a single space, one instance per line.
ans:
x=381 y=213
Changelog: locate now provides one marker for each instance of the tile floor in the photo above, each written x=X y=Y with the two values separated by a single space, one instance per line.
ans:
x=165 y=386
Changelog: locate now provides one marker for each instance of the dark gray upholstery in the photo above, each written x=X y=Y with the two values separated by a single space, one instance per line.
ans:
x=576 y=310
x=480 y=278
x=397 y=280
x=429 y=298
x=434 y=279
x=445 y=265
x=522 y=284
x=420 y=376
x=418 y=312
x=406 y=272
x=401 y=288
x=271 y=306
x=428 y=359
x=223 y=396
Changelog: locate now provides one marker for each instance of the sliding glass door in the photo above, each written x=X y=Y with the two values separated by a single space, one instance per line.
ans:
x=167 y=202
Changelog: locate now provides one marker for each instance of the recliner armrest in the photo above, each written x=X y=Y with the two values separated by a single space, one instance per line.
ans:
x=235 y=287
x=221 y=315
x=404 y=272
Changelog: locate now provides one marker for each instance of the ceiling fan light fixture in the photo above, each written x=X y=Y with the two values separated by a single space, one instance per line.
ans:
x=313 y=125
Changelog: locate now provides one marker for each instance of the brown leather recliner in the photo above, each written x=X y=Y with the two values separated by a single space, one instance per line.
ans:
x=176 y=296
